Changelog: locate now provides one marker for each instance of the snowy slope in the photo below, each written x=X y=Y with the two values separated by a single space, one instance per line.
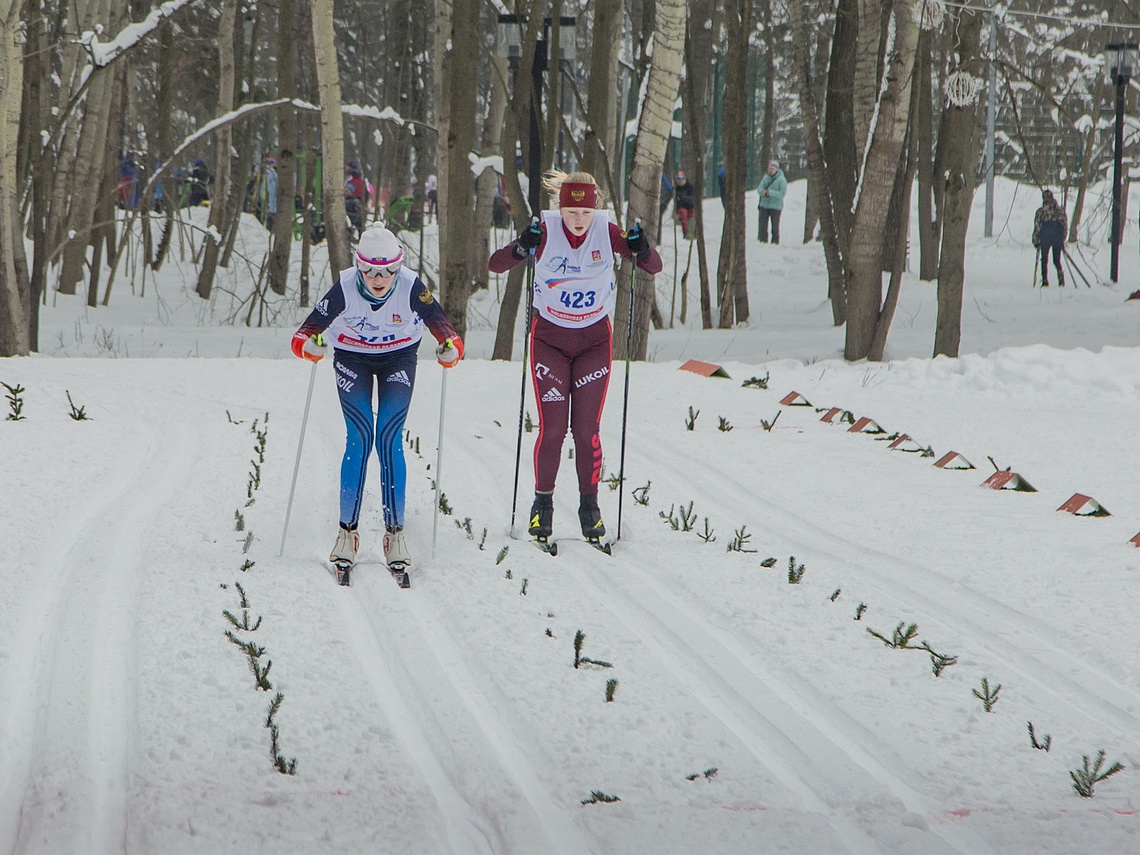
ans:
x=450 y=718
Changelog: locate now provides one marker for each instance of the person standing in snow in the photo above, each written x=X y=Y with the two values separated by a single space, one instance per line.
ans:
x=683 y=202
x=1049 y=227
x=571 y=337
x=771 y=191
x=270 y=191
x=374 y=316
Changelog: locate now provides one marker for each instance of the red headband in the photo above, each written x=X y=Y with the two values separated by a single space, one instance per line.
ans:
x=573 y=194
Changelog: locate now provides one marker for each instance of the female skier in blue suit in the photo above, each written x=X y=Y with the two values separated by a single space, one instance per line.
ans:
x=374 y=315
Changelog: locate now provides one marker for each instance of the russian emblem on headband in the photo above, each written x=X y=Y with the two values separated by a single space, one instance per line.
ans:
x=577 y=195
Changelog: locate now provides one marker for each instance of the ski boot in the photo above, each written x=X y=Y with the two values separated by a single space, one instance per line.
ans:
x=590 y=517
x=542 y=522
x=343 y=554
x=397 y=555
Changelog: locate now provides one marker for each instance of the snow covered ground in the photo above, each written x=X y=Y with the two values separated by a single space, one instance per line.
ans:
x=749 y=714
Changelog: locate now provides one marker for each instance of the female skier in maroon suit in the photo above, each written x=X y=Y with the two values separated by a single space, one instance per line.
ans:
x=571 y=338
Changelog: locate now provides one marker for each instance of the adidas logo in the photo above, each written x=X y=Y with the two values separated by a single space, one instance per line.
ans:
x=400 y=377
x=553 y=394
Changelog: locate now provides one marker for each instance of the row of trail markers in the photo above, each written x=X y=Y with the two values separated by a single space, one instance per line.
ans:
x=1078 y=504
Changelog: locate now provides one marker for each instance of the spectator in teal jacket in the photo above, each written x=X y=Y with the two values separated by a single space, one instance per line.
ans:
x=771 y=191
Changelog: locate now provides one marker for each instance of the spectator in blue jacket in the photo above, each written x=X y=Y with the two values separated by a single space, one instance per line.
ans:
x=771 y=192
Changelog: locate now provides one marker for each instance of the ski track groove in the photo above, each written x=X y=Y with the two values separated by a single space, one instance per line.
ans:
x=948 y=602
x=777 y=735
x=88 y=606
x=789 y=703
x=468 y=831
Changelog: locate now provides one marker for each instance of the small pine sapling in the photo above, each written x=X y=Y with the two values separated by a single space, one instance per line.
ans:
x=723 y=424
x=768 y=425
x=691 y=421
x=795 y=572
x=247 y=543
x=280 y=763
x=502 y=554
x=611 y=687
x=768 y=562
x=1087 y=777
x=232 y=421
x=613 y=482
x=835 y=594
x=740 y=540
x=579 y=659
x=901 y=638
x=687 y=518
x=78 y=414
x=988 y=696
x=509 y=575
x=246 y=566
x=483 y=539
x=444 y=507
x=15 y=402
x=465 y=526
x=1042 y=745
x=707 y=535
x=859 y=609
x=671 y=517
x=598 y=797
x=641 y=494
x=939 y=662
x=757 y=382
x=239 y=521
x=528 y=425
x=522 y=590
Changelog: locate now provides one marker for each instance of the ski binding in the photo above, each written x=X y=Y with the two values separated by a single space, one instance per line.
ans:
x=343 y=572
x=399 y=573
x=547 y=545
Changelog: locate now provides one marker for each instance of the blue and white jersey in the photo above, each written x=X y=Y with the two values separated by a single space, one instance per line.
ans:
x=364 y=328
x=574 y=288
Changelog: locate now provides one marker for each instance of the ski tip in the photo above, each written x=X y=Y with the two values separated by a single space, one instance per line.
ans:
x=343 y=574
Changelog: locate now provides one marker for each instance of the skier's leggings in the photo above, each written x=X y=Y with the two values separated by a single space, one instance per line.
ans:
x=356 y=375
x=571 y=372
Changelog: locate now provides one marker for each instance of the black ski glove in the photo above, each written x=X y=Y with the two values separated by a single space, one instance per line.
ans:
x=530 y=238
x=637 y=242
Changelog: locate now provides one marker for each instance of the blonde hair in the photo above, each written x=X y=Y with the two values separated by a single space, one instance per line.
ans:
x=555 y=178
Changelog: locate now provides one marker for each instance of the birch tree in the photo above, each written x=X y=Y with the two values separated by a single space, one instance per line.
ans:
x=653 y=131
x=332 y=134
x=881 y=163
x=15 y=316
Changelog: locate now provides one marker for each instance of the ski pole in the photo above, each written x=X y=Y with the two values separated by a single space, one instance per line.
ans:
x=625 y=396
x=297 y=463
x=522 y=385
x=1036 y=261
x=439 y=462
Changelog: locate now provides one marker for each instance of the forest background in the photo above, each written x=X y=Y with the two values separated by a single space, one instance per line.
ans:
x=876 y=102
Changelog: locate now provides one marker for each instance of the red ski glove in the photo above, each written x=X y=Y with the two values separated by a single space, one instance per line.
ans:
x=449 y=352
x=308 y=347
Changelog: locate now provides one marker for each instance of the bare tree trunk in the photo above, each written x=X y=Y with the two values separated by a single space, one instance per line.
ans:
x=222 y=144
x=929 y=229
x=732 y=271
x=15 y=309
x=883 y=160
x=278 y=272
x=817 y=167
x=600 y=94
x=488 y=179
x=653 y=132
x=332 y=135
x=865 y=83
x=839 y=121
x=456 y=141
x=961 y=170
x=698 y=55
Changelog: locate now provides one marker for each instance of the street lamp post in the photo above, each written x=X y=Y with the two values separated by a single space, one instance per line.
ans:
x=510 y=39
x=1119 y=62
